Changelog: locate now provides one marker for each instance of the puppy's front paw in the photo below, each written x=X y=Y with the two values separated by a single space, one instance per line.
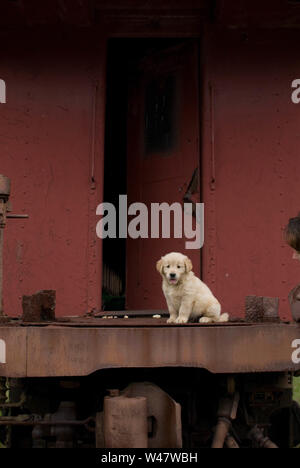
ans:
x=182 y=320
x=171 y=320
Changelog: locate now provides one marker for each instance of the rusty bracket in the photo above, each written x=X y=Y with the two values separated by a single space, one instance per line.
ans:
x=262 y=309
x=257 y=435
x=227 y=413
x=39 y=307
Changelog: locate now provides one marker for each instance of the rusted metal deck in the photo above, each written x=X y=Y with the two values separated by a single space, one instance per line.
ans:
x=81 y=346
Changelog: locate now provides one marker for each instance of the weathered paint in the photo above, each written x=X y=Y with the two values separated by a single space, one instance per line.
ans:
x=162 y=176
x=48 y=143
x=71 y=350
x=13 y=352
x=51 y=148
x=257 y=179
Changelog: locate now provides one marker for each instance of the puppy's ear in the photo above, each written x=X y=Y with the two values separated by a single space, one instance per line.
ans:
x=159 y=266
x=188 y=265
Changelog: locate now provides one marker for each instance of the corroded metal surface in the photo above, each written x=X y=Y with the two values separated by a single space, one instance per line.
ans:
x=74 y=350
x=262 y=309
x=4 y=187
x=13 y=356
x=39 y=307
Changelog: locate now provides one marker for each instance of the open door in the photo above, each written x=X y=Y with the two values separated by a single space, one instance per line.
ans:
x=163 y=158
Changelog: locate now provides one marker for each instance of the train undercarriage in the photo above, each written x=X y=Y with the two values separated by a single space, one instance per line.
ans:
x=140 y=383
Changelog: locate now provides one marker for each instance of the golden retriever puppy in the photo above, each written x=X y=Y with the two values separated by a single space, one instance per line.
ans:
x=186 y=295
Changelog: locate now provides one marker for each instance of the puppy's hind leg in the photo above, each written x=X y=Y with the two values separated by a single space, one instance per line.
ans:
x=223 y=318
x=213 y=314
x=205 y=320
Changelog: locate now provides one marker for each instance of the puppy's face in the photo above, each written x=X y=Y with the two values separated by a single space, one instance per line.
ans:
x=173 y=267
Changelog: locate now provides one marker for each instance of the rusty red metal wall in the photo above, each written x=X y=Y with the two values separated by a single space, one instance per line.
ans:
x=50 y=146
x=248 y=111
x=47 y=148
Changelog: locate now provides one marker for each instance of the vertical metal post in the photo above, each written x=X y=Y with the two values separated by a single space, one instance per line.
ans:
x=4 y=196
x=1 y=272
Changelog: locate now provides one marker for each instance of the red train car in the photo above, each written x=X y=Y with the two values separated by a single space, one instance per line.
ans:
x=164 y=102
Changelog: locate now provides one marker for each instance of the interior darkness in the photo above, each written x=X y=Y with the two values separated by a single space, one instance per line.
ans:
x=122 y=59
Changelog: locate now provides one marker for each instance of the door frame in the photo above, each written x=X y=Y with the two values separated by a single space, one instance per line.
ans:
x=120 y=27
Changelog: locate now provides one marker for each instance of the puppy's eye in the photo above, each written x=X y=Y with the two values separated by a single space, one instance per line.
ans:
x=178 y=266
x=168 y=266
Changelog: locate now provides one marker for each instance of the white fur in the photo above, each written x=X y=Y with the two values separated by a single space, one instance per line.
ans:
x=187 y=296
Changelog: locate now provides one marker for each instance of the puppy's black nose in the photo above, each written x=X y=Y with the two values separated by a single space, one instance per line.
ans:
x=173 y=275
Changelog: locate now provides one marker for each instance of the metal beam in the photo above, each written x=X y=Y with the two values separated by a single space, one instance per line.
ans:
x=56 y=351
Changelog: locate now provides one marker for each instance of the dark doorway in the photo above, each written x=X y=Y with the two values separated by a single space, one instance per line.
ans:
x=122 y=59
